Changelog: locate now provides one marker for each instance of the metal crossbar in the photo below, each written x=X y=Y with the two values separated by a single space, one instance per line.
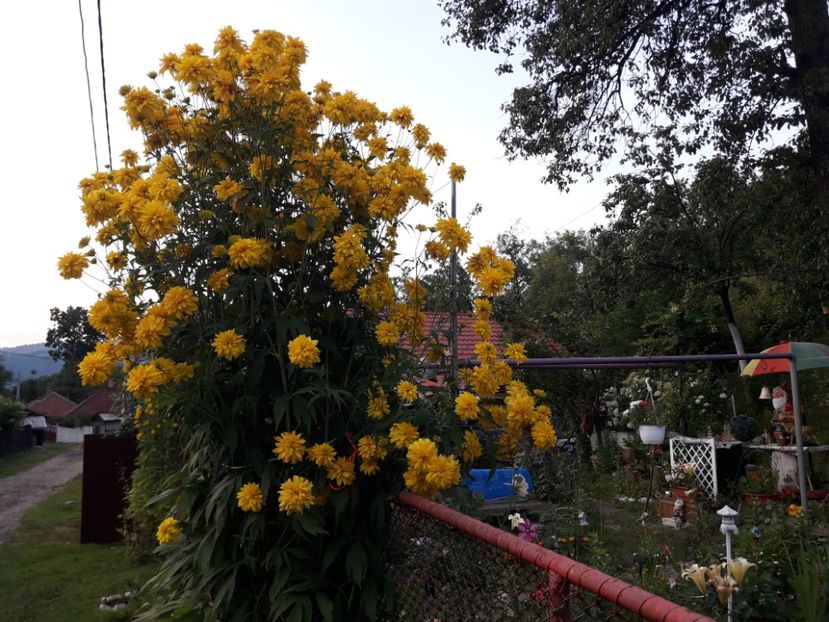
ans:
x=449 y=567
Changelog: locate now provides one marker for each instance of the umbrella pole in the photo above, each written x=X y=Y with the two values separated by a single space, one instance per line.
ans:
x=798 y=433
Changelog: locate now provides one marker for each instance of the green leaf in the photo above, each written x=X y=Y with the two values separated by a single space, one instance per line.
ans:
x=331 y=552
x=356 y=563
x=311 y=523
x=369 y=600
x=325 y=606
x=280 y=409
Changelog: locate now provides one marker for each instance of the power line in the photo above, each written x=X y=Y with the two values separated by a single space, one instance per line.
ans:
x=572 y=220
x=104 y=80
x=88 y=87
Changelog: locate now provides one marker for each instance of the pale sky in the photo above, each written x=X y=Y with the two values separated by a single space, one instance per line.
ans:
x=388 y=51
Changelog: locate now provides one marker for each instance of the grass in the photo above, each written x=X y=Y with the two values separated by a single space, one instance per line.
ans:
x=47 y=576
x=23 y=460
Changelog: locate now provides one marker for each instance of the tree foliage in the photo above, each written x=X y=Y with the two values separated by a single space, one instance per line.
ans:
x=603 y=74
x=71 y=336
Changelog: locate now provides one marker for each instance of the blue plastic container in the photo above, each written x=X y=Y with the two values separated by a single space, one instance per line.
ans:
x=499 y=486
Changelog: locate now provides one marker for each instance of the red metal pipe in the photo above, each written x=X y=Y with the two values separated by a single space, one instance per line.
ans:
x=561 y=568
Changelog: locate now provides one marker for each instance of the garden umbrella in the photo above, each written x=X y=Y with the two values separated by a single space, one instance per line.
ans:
x=808 y=356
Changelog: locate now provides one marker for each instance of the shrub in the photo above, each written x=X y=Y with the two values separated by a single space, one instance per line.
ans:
x=252 y=311
x=11 y=413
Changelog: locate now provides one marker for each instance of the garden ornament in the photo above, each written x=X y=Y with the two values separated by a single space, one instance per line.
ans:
x=582 y=516
x=679 y=511
x=520 y=485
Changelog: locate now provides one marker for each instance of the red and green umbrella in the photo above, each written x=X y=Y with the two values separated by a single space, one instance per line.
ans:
x=809 y=356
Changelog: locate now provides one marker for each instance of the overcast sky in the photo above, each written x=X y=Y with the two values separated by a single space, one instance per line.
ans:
x=388 y=51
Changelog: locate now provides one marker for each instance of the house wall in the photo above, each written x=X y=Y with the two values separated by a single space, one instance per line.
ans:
x=72 y=435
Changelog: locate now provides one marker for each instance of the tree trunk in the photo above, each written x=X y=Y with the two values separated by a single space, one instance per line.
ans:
x=809 y=26
x=731 y=322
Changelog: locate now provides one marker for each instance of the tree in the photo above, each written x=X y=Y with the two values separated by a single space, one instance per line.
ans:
x=723 y=74
x=439 y=289
x=71 y=337
x=5 y=377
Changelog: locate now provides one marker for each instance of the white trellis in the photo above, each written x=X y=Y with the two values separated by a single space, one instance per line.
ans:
x=702 y=452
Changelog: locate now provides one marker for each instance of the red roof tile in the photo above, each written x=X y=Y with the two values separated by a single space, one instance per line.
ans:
x=52 y=405
x=100 y=402
x=437 y=323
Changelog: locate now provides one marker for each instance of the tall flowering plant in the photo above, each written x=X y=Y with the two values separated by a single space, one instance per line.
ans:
x=251 y=311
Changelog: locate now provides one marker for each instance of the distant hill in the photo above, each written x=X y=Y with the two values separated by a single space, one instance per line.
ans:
x=24 y=359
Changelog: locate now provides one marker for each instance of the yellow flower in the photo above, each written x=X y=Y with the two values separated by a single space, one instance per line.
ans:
x=151 y=329
x=322 y=454
x=420 y=452
x=371 y=449
x=543 y=434
x=378 y=406
x=486 y=351
x=466 y=406
x=436 y=151
x=516 y=352
x=471 y=446
x=226 y=189
x=453 y=235
x=402 y=116
x=342 y=472
x=443 y=472
x=456 y=172
x=156 y=219
x=387 y=333
x=407 y=391
x=229 y=345
x=697 y=575
x=295 y=495
x=116 y=260
x=179 y=302
x=369 y=467
x=250 y=498
x=303 y=351
x=72 y=265
x=168 y=531
x=289 y=447
x=218 y=281
x=795 y=510
x=143 y=381
x=248 y=253
x=739 y=567
x=95 y=368
x=403 y=434
x=436 y=250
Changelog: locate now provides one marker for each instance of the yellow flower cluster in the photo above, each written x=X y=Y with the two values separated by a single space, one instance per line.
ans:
x=289 y=447
x=296 y=495
x=229 y=345
x=428 y=471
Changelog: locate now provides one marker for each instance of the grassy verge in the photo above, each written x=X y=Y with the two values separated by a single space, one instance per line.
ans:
x=23 y=460
x=47 y=576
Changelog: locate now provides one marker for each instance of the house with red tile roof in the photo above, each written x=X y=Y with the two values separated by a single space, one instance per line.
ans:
x=51 y=405
x=98 y=403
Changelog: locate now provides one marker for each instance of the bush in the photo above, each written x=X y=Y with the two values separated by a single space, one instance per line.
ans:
x=11 y=413
x=253 y=315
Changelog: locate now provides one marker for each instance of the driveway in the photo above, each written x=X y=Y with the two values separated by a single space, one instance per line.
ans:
x=21 y=491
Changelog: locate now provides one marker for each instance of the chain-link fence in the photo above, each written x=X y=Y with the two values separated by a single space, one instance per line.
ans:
x=449 y=567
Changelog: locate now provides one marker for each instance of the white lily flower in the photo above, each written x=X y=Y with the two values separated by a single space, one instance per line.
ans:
x=515 y=519
x=739 y=567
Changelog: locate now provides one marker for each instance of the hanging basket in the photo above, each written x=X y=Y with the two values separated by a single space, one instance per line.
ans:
x=652 y=434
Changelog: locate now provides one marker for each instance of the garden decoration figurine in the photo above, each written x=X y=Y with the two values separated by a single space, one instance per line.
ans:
x=679 y=512
x=728 y=527
x=251 y=313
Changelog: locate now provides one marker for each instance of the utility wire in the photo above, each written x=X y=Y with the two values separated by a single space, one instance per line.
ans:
x=104 y=79
x=88 y=87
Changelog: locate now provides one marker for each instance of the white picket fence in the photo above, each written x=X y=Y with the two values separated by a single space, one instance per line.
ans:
x=72 y=435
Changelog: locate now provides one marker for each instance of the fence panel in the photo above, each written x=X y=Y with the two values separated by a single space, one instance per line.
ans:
x=449 y=567
x=108 y=463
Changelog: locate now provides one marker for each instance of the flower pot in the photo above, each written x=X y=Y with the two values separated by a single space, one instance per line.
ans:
x=652 y=434
x=760 y=498
x=681 y=492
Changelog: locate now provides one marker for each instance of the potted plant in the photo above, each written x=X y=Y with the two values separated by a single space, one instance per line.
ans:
x=682 y=481
x=744 y=428
x=759 y=486
x=650 y=431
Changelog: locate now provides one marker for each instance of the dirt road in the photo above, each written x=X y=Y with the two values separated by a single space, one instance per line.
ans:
x=21 y=491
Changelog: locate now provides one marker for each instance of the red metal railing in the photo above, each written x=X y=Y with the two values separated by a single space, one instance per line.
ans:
x=449 y=567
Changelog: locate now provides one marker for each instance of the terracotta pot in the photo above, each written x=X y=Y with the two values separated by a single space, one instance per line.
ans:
x=760 y=498
x=681 y=492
